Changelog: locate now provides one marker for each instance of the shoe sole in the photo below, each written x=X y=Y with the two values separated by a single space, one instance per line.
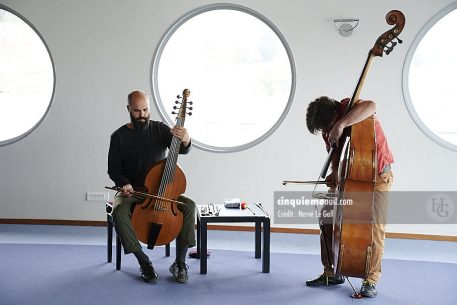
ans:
x=146 y=279
x=176 y=279
x=369 y=295
x=323 y=284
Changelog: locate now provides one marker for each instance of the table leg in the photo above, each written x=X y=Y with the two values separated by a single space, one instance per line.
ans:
x=266 y=246
x=198 y=237
x=118 y=253
x=258 y=230
x=203 y=246
x=109 y=241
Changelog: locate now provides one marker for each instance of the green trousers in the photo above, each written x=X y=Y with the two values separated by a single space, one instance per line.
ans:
x=123 y=207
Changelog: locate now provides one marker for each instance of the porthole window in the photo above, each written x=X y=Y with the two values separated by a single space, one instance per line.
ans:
x=26 y=77
x=239 y=70
x=429 y=78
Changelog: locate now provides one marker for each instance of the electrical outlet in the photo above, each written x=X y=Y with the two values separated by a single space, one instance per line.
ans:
x=97 y=196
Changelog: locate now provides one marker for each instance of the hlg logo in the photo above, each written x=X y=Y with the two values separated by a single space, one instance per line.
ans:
x=440 y=207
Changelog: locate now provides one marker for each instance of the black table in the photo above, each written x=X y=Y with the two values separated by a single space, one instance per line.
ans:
x=255 y=215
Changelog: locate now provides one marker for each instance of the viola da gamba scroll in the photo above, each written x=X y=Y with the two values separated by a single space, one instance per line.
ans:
x=357 y=172
x=157 y=221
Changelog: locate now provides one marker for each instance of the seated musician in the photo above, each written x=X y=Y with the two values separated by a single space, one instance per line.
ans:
x=134 y=148
x=327 y=115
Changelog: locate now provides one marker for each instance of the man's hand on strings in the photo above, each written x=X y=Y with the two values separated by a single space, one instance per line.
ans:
x=182 y=134
x=360 y=111
x=335 y=134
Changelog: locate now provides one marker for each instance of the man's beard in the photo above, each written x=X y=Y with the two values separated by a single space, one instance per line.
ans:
x=140 y=123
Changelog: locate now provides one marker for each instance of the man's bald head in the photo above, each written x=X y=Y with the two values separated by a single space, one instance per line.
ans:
x=138 y=107
x=137 y=94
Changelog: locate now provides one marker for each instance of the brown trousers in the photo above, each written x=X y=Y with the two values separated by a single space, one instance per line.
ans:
x=381 y=202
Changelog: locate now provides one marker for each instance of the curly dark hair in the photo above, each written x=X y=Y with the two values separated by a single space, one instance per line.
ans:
x=320 y=113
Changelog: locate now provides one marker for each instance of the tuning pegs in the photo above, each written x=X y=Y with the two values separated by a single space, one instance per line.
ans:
x=189 y=113
x=390 y=48
x=178 y=108
x=399 y=40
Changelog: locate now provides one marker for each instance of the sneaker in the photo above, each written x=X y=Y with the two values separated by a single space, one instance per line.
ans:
x=179 y=272
x=368 y=289
x=324 y=280
x=147 y=271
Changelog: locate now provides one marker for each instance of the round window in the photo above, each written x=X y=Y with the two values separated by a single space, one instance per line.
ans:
x=26 y=77
x=429 y=82
x=238 y=68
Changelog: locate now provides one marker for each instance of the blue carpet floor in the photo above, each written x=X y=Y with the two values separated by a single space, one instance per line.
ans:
x=34 y=274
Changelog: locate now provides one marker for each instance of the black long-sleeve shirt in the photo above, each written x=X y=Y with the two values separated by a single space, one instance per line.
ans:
x=133 y=152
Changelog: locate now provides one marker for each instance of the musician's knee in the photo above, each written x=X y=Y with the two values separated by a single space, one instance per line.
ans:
x=123 y=207
x=189 y=205
x=121 y=211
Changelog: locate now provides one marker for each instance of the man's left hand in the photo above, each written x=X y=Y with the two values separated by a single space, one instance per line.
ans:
x=181 y=133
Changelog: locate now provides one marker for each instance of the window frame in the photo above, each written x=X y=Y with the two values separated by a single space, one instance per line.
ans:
x=405 y=77
x=183 y=19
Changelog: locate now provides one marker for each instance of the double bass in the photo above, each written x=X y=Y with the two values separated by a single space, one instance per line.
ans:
x=357 y=172
x=353 y=224
x=157 y=220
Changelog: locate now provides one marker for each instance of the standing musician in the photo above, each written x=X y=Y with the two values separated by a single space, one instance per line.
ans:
x=327 y=115
x=134 y=149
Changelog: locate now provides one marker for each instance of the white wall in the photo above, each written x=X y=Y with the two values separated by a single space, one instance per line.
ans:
x=103 y=49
